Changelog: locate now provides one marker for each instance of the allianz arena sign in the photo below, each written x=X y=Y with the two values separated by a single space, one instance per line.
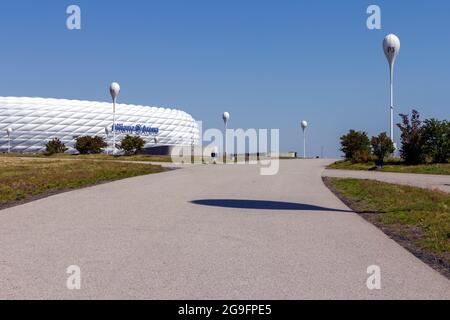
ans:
x=135 y=129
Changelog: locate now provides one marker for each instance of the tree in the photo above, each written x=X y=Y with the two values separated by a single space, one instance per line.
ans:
x=412 y=138
x=436 y=139
x=356 y=146
x=382 y=146
x=131 y=144
x=55 y=146
x=90 y=145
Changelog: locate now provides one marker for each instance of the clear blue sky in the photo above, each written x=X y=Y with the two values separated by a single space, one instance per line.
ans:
x=269 y=63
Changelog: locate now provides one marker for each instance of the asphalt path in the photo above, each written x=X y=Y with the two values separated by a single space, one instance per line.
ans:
x=206 y=232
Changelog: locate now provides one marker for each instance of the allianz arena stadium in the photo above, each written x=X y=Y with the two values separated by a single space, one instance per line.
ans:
x=27 y=124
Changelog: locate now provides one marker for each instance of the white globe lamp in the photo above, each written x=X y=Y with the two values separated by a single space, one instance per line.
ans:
x=114 y=90
x=391 y=48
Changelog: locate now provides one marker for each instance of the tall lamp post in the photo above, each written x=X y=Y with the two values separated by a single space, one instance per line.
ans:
x=107 y=132
x=114 y=89
x=391 y=47
x=304 y=125
x=192 y=145
x=9 y=132
x=226 y=118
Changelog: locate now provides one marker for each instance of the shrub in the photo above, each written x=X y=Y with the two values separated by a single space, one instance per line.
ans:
x=131 y=144
x=382 y=146
x=362 y=156
x=55 y=146
x=356 y=146
x=412 y=138
x=90 y=145
x=436 y=139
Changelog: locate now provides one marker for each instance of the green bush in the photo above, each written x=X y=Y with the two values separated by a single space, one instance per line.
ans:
x=420 y=142
x=412 y=138
x=356 y=146
x=55 y=146
x=90 y=145
x=382 y=146
x=436 y=139
x=131 y=144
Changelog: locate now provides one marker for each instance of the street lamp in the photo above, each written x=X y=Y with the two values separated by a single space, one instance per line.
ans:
x=9 y=132
x=107 y=132
x=192 y=145
x=226 y=118
x=304 y=125
x=391 y=47
x=114 y=89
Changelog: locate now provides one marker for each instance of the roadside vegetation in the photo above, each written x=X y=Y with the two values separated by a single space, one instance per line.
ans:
x=418 y=219
x=90 y=145
x=23 y=179
x=392 y=165
x=131 y=145
x=55 y=146
x=94 y=148
x=102 y=156
x=425 y=148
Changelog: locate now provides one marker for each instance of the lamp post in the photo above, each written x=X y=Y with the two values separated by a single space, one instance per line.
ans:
x=9 y=132
x=304 y=125
x=391 y=47
x=107 y=132
x=114 y=89
x=226 y=118
x=192 y=145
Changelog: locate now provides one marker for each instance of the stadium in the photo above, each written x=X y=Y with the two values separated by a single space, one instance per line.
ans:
x=27 y=124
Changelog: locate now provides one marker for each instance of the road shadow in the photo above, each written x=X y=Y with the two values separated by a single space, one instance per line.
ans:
x=262 y=205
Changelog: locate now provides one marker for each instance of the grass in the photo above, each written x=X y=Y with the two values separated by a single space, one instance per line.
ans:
x=22 y=179
x=141 y=158
x=394 y=166
x=418 y=218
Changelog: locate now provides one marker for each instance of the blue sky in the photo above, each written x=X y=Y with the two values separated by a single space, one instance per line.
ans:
x=269 y=63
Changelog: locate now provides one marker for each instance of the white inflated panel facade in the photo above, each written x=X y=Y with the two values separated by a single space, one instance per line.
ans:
x=35 y=121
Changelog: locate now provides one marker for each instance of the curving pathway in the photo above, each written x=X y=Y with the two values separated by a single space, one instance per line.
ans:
x=205 y=232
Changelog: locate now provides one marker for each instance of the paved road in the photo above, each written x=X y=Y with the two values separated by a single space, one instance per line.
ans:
x=427 y=181
x=205 y=232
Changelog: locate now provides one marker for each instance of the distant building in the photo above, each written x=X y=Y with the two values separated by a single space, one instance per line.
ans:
x=35 y=121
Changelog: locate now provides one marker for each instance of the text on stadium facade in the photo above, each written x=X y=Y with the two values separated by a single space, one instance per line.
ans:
x=135 y=129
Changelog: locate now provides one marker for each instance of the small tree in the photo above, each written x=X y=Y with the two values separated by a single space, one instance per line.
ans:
x=436 y=139
x=356 y=146
x=55 y=146
x=90 y=145
x=382 y=146
x=412 y=138
x=131 y=144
